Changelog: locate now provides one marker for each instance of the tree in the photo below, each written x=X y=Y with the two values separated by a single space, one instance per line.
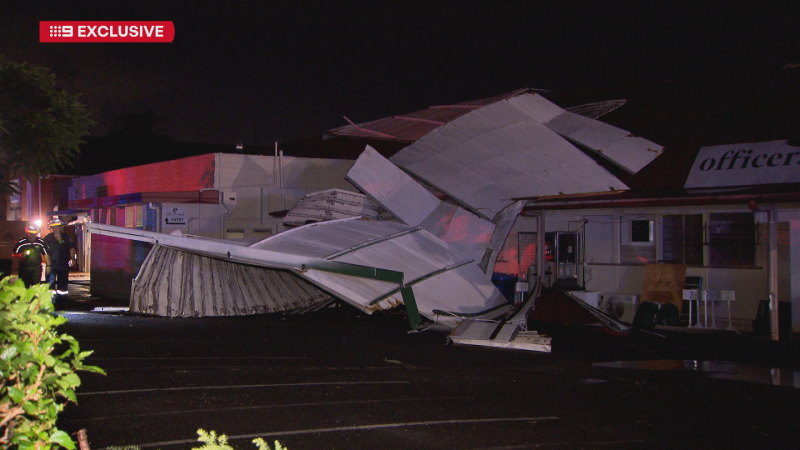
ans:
x=41 y=126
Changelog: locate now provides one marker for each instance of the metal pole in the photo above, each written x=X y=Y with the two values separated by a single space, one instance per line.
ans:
x=773 y=275
x=540 y=269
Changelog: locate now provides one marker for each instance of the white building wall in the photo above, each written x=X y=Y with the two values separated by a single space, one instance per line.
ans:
x=287 y=171
x=256 y=189
x=611 y=268
x=200 y=219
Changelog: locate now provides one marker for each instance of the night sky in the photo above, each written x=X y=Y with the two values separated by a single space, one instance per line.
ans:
x=265 y=71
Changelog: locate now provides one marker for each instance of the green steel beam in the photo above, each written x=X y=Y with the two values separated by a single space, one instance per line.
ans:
x=356 y=270
x=412 y=311
x=374 y=273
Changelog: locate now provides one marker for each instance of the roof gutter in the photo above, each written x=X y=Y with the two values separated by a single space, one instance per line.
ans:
x=772 y=197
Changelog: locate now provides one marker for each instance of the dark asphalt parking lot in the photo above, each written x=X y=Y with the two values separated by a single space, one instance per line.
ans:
x=337 y=380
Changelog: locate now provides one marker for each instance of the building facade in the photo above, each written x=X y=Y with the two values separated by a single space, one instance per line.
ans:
x=216 y=195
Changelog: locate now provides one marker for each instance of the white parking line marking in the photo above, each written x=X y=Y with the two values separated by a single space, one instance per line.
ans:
x=271 y=406
x=242 y=386
x=159 y=358
x=249 y=368
x=377 y=426
x=573 y=444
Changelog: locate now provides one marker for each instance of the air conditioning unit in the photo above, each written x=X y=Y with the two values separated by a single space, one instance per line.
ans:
x=619 y=306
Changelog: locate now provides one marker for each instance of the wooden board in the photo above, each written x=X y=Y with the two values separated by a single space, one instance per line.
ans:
x=663 y=283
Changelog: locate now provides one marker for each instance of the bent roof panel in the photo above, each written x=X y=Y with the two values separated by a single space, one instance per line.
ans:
x=412 y=126
x=614 y=144
x=320 y=240
x=492 y=155
x=394 y=189
x=441 y=278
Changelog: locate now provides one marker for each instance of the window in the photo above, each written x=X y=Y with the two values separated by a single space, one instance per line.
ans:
x=682 y=239
x=641 y=231
x=731 y=239
x=234 y=233
x=14 y=197
x=134 y=217
x=636 y=240
x=526 y=243
x=262 y=232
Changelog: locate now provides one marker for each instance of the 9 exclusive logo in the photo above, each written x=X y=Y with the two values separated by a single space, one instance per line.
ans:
x=106 y=31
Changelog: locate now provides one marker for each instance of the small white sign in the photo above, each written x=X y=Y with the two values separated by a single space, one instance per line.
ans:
x=175 y=216
x=749 y=164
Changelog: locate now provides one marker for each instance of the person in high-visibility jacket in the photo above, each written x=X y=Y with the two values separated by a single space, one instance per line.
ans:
x=61 y=251
x=28 y=257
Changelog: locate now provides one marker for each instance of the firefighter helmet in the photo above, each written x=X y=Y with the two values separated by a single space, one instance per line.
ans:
x=32 y=228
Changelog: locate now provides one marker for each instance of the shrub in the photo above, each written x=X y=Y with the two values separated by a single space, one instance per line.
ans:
x=38 y=368
x=213 y=441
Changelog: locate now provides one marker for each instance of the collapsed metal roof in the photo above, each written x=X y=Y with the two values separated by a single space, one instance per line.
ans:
x=409 y=201
x=441 y=279
x=412 y=126
x=334 y=255
x=521 y=147
x=436 y=258
x=333 y=204
x=176 y=283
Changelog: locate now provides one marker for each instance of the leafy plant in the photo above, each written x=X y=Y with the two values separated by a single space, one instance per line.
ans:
x=214 y=441
x=38 y=368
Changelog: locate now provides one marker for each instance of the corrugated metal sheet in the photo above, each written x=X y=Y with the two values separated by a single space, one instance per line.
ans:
x=412 y=126
x=391 y=187
x=464 y=231
x=596 y=110
x=614 y=144
x=176 y=283
x=507 y=336
x=441 y=280
x=500 y=152
x=333 y=204
x=320 y=240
